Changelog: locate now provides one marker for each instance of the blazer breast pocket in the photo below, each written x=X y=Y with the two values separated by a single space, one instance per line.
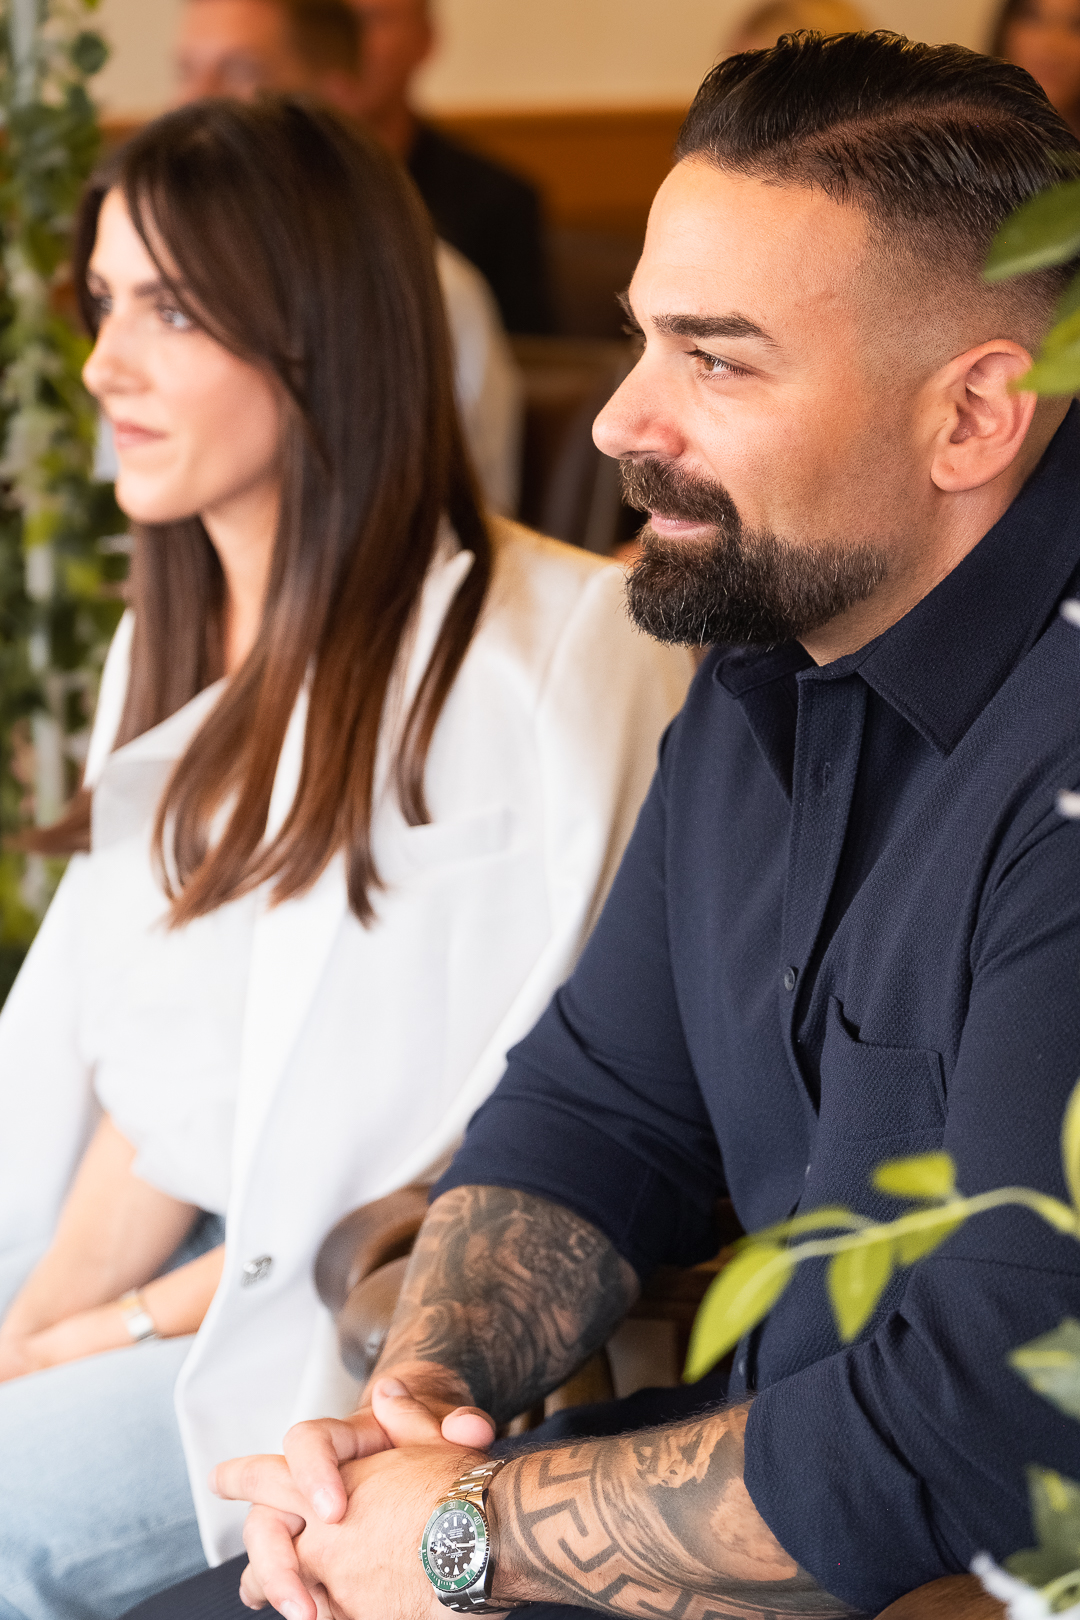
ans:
x=877 y=1103
x=446 y=844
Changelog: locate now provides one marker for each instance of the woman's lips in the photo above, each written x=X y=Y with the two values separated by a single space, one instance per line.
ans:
x=130 y=436
x=674 y=526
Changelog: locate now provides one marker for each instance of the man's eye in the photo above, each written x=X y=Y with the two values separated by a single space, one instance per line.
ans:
x=711 y=365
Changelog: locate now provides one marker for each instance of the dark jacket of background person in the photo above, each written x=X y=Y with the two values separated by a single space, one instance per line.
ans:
x=847 y=929
x=493 y=218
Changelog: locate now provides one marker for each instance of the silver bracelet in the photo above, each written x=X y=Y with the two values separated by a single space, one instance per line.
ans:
x=137 y=1319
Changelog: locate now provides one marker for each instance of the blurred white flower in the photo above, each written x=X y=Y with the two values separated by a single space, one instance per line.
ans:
x=1022 y=1602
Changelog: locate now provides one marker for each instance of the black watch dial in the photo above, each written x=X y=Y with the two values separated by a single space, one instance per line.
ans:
x=455 y=1547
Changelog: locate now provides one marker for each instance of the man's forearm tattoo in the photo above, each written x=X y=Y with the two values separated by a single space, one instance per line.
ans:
x=509 y=1293
x=657 y=1523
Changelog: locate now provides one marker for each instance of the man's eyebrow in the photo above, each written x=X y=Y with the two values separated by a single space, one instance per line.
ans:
x=700 y=326
x=711 y=326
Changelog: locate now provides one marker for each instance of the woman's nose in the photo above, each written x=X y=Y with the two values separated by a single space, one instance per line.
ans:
x=106 y=370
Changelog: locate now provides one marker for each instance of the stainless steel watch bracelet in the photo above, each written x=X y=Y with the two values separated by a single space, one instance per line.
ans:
x=473 y=1487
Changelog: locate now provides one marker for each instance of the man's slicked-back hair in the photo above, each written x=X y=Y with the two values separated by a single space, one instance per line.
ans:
x=934 y=143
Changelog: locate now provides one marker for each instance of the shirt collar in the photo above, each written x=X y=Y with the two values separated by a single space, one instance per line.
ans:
x=943 y=661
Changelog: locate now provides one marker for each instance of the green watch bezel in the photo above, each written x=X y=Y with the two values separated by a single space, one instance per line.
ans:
x=475 y=1570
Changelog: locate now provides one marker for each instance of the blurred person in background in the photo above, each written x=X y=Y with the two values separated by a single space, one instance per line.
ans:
x=760 y=29
x=488 y=213
x=1043 y=36
x=320 y=48
x=363 y=765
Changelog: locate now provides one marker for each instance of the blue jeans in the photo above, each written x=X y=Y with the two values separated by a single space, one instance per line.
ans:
x=95 y=1506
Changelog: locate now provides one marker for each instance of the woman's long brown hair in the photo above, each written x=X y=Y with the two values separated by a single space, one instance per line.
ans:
x=303 y=248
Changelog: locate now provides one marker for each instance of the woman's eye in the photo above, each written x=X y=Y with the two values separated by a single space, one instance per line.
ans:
x=175 y=318
x=712 y=366
x=102 y=303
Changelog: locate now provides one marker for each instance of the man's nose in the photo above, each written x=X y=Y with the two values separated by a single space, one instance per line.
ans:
x=195 y=83
x=634 y=421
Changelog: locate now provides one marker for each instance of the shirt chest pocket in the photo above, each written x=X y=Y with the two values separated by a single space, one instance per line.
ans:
x=877 y=1103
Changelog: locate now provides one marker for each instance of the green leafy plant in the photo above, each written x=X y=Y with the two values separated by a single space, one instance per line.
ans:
x=58 y=587
x=862 y=1256
x=1043 y=233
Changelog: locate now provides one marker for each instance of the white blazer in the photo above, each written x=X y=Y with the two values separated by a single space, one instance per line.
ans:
x=360 y=1053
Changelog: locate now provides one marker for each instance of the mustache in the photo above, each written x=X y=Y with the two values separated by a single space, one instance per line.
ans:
x=653 y=485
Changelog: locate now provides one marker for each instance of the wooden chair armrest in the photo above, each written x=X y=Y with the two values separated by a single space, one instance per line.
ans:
x=364 y=1320
x=953 y=1597
x=367 y=1239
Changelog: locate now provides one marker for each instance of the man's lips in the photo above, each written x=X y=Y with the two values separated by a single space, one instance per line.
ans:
x=660 y=523
x=131 y=436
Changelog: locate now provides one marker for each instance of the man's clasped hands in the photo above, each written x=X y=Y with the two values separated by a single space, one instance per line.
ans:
x=334 y=1530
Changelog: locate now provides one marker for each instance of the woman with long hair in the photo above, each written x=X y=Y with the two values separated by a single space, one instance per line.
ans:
x=363 y=764
x=1043 y=36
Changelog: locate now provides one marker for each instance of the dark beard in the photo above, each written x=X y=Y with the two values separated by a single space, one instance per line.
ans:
x=739 y=586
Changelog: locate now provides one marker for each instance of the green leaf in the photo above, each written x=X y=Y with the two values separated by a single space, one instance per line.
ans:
x=1055 y=1510
x=1069 y=301
x=1058 y=374
x=927 y=1175
x=1045 y=231
x=856 y=1279
x=828 y=1217
x=912 y=1246
x=1070 y=1145
x=1051 y=1365
x=744 y=1292
x=89 y=53
x=1064 y=335
x=1064 y=1592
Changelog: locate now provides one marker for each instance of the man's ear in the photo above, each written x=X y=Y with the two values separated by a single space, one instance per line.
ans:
x=981 y=417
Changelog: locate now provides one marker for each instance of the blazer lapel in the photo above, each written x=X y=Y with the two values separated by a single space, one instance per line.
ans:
x=290 y=948
x=293 y=941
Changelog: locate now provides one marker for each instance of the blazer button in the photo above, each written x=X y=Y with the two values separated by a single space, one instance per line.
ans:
x=255 y=1270
x=790 y=977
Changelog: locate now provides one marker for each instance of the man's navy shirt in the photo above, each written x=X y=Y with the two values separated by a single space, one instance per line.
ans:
x=847 y=928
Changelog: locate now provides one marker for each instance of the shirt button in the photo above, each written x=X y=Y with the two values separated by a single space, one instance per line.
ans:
x=790 y=976
x=741 y=1368
x=255 y=1270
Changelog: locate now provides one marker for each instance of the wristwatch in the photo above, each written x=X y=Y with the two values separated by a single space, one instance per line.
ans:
x=137 y=1319
x=456 y=1549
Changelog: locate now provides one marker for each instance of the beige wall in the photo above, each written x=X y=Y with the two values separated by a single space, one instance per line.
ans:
x=532 y=53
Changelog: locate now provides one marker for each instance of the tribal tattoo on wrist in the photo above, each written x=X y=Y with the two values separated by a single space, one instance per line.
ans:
x=657 y=1523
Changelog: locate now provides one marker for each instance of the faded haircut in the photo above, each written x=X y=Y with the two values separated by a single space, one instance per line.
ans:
x=936 y=144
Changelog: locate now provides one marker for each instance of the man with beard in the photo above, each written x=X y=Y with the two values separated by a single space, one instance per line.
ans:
x=847 y=928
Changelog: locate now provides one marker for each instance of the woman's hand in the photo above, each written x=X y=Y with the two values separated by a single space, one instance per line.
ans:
x=176 y=1302
x=85 y=1334
x=16 y=1357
